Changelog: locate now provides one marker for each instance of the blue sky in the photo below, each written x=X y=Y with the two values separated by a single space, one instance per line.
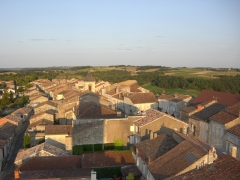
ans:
x=190 y=33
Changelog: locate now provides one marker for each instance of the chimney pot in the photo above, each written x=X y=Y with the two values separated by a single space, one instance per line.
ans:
x=199 y=107
x=234 y=151
x=16 y=174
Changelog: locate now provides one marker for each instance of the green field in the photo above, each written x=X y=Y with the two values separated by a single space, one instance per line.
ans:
x=194 y=72
x=158 y=90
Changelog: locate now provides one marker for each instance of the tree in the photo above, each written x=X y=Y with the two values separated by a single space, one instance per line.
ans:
x=5 y=98
x=27 y=141
x=20 y=89
x=130 y=176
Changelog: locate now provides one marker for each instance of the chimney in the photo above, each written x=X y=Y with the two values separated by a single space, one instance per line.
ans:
x=199 y=107
x=93 y=175
x=16 y=174
x=234 y=151
x=151 y=135
x=119 y=113
x=155 y=135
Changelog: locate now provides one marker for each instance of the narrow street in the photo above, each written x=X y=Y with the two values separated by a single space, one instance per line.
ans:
x=17 y=144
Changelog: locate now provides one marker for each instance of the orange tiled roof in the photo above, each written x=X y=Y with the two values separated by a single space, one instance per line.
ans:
x=107 y=159
x=154 y=148
x=235 y=130
x=138 y=98
x=227 y=115
x=221 y=97
x=225 y=167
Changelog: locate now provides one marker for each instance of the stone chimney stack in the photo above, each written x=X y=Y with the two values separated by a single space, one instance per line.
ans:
x=155 y=135
x=234 y=151
x=151 y=135
x=93 y=175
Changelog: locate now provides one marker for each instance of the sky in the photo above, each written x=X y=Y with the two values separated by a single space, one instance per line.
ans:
x=173 y=33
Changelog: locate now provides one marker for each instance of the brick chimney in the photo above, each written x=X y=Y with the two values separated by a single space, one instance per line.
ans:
x=16 y=174
x=199 y=107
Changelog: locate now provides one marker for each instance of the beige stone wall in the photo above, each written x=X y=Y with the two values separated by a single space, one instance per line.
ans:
x=57 y=140
x=44 y=108
x=47 y=116
x=118 y=129
x=165 y=124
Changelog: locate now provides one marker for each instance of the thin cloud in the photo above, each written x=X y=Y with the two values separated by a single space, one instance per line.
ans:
x=43 y=39
x=20 y=42
x=159 y=36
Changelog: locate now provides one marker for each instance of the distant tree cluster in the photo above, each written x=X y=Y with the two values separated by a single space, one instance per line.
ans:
x=22 y=78
x=150 y=67
x=229 y=84
x=8 y=100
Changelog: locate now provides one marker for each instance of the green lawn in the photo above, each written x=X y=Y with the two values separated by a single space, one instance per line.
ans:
x=158 y=90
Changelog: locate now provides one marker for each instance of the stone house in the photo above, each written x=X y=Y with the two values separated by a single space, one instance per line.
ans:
x=199 y=121
x=41 y=150
x=48 y=105
x=57 y=135
x=37 y=130
x=220 y=123
x=101 y=85
x=232 y=138
x=155 y=122
x=25 y=113
x=90 y=111
x=172 y=104
x=14 y=120
x=48 y=115
x=7 y=135
x=35 y=100
x=135 y=103
x=167 y=156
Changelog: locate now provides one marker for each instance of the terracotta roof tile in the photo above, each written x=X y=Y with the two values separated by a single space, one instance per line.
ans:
x=50 y=103
x=12 y=118
x=138 y=98
x=225 y=167
x=57 y=174
x=235 y=130
x=175 y=160
x=221 y=97
x=154 y=148
x=92 y=110
x=207 y=112
x=41 y=122
x=150 y=116
x=51 y=163
x=38 y=150
x=227 y=115
x=58 y=129
x=106 y=159
x=23 y=110
x=7 y=130
x=175 y=98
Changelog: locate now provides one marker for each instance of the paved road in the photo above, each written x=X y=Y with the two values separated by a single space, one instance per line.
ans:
x=17 y=144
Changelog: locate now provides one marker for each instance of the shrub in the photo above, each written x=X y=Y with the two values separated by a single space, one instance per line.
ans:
x=77 y=150
x=118 y=144
x=27 y=141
